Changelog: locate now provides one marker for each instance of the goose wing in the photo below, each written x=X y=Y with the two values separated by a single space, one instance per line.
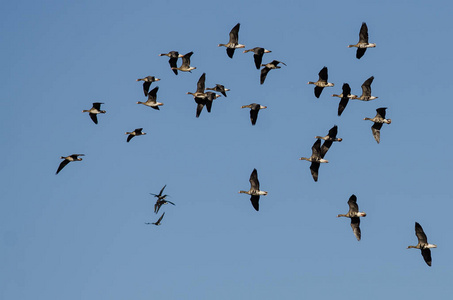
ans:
x=230 y=52
x=325 y=147
x=314 y=168
x=360 y=52
x=200 y=105
x=160 y=219
x=146 y=85
x=426 y=253
x=97 y=105
x=342 y=105
x=157 y=206
x=323 y=74
x=380 y=112
x=94 y=118
x=264 y=72
x=173 y=60
x=318 y=91
x=234 y=34
x=152 y=95
x=363 y=34
x=376 y=130
x=355 y=225
x=366 y=86
x=346 y=90
x=200 y=83
x=62 y=165
x=353 y=207
x=186 y=59
x=255 y=202
x=421 y=236
x=258 y=56
x=316 y=149
x=254 y=115
x=162 y=190
x=129 y=137
x=254 y=182
x=221 y=89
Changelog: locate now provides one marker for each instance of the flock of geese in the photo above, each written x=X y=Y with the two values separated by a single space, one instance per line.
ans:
x=204 y=97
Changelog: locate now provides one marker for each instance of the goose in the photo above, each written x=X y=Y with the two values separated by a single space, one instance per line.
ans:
x=315 y=159
x=378 y=120
x=136 y=132
x=158 y=221
x=67 y=160
x=200 y=88
x=152 y=102
x=174 y=55
x=147 y=83
x=363 y=42
x=161 y=200
x=96 y=109
x=254 y=191
x=185 y=66
x=423 y=244
x=233 y=43
x=355 y=215
x=345 y=96
x=258 y=53
x=267 y=67
x=254 y=109
x=366 y=91
x=201 y=102
x=321 y=83
x=328 y=140
x=220 y=89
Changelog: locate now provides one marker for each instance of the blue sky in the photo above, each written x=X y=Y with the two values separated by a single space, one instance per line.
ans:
x=81 y=234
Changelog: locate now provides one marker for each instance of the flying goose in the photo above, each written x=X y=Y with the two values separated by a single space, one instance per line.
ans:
x=258 y=53
x=355 y=215
x=200 y=88
x=328 y=140
x=158 y=221
x=315 y=159
x=321 y=83
x=254 y=191
x=161 y=200
x=423 y=244
x=233 y=43
x=96 y=109
x=378 y=120
x=366 y=91
x=67 y=160
x=136 y=132
x=220 y=89
x=147 y=83
x=174 y=55
x=185 y=66
x=267 y=67
x=201 y=102
x=345 y=96
x=363 y=42
x=254 y=109
x=152 y=99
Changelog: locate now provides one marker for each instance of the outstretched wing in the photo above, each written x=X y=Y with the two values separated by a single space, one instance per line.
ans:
x=352 y=202
x=363 y=34
x=264 y=72
x=254 y=182
x=62 y=165
x=255 y=202
x=94 y=118
x=355 y=225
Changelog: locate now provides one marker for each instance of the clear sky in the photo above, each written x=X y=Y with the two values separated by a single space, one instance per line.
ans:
x=81 y=234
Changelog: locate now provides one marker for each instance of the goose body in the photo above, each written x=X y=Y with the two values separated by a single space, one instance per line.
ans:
x=267 y=67
x=345 y=96
x=366 y=91
x=233 y=44
x=363 y=44
x=67 y=160
x=315 y=159
x=147 y=83
x=94 y=111
x=220 y=89
x=254 y=191
x=355 y=215
x=152 y=99
x=136 y=132
x=174 y=55
x=322 y=82
x=258 y=53
x=185 y=66
x=423 y=244
x=254 y=109
x=378 y=120
x=328 y=140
